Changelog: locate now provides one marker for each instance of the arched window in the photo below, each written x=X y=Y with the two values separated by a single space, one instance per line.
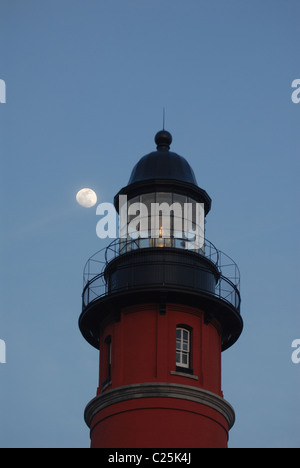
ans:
x=183 y=347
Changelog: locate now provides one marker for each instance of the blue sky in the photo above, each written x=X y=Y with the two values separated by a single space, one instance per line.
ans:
x=86 y=84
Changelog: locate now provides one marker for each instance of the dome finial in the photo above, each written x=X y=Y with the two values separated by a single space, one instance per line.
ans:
x=163 y=140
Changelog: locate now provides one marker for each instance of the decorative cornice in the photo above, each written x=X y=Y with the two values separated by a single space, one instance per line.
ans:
x=159 y=390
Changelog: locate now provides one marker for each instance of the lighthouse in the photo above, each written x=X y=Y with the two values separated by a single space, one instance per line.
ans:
x=160 y=303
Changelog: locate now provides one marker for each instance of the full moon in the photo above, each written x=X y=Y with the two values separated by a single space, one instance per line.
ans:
x=86 y=197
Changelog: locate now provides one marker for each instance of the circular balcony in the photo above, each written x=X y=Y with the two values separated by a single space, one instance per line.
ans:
x=164 y=270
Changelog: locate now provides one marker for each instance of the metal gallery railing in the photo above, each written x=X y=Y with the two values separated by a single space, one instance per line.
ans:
x=95 y=286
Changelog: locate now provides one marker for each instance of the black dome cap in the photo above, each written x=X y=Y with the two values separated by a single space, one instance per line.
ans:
x=163 y=164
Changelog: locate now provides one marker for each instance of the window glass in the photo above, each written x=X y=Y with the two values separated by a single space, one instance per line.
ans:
x=179 y=199
x=164 y=197
x=133 y=200
x=181 y=227
x=147 y=199
x=183 y=347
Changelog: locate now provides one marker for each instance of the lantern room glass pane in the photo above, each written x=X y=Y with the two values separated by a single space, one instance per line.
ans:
x=164 y=197
x=161 y=226
x=182 y=199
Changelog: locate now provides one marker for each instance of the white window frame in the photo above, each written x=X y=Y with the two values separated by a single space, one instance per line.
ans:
x=183 y=347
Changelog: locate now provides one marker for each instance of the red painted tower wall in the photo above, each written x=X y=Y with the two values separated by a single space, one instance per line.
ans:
x=143 y=351
x=143 y=345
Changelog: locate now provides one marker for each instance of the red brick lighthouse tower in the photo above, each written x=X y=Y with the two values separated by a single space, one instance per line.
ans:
x=160 y=303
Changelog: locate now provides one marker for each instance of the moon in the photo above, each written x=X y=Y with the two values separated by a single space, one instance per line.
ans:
x=86 y=197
